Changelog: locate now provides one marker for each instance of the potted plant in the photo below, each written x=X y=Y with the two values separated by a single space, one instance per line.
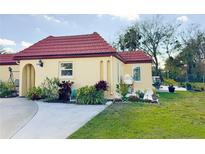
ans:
x=188 y=86
x=171 y=88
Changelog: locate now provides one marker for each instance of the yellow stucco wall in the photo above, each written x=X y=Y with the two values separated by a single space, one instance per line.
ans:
x=88 y=71
x=146 y=75
x=117 y=73
x=4 y=72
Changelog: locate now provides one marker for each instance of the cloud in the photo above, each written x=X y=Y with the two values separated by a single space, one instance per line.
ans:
x=52 y=19
x=6 y=42
x=183 y=19
x=25 y=44
x=37 y=29
x=128 y=16
x=8 y=50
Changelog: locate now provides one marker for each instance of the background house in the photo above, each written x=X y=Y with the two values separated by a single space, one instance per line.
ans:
x=6 y=61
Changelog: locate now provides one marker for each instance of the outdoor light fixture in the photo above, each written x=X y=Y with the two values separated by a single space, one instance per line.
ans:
x=40 y=63
x=10 y=69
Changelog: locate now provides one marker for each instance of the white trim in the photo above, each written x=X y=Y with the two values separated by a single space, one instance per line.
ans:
x=59 y=70
x=133 y=73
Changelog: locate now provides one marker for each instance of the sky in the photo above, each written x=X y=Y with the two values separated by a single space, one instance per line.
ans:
x=20 y=31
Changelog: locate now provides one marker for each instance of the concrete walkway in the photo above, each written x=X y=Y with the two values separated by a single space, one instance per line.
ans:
x=57 y=120
x=15 y=113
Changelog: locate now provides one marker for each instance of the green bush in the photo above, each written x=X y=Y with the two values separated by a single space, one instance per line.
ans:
x=35 y=93
x=140 y=94
x=182 y=84
x=168 y=82
x=50 y=89
x=90 y=95
x=189 y=86
x=133 y=98
x=122 y=89
x=197 y=86
x=6 y=89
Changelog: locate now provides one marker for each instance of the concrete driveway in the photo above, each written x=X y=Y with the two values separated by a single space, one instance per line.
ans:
x=15 y=113
x=57 y=120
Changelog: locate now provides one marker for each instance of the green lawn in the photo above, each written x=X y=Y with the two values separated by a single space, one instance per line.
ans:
x=179 y=115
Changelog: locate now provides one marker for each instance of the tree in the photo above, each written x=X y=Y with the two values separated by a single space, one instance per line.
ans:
x=152 y=35
x=129 y=40
x=193 y=55
x=189 y=64
x=156 y=36
x=173 y=68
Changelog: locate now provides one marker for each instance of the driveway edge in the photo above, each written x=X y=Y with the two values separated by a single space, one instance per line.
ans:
x=36 y=111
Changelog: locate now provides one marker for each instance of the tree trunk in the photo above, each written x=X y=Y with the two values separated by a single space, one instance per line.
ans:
x=156 y=63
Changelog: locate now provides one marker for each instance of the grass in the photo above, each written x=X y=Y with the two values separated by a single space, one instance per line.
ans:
x=179 y=115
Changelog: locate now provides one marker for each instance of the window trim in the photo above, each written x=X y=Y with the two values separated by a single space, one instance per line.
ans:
x=133 y=73
x=71 y=76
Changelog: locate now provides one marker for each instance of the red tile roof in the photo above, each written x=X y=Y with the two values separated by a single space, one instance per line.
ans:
x=65 y=46
x=89 y=45
x=135 y=57
x=7 y=59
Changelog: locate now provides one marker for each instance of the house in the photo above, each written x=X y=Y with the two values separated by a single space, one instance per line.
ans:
x=6 y=61
x=83 y=59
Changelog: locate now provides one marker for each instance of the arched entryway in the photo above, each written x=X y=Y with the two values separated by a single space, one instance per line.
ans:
x=28 y=78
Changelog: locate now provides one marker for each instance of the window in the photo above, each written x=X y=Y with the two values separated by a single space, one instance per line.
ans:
x=136 y=74
x=66 y=69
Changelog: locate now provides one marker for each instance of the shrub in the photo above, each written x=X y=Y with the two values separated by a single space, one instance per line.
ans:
x=133 y=98
x=169 y=82
x=65 y=90
x=154 y=91
x=6 y=89
x=188 y=86
x=50 y=89
x=157 y=84
x=122 y=89
x=182 y=84
x=197 y=86
x=90 y=95
x=35 y=93
x=140 y=94
x=101 y=85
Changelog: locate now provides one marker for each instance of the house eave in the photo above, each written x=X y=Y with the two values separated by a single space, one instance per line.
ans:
x=138 y=61
x=106 y=54
x=8 y=63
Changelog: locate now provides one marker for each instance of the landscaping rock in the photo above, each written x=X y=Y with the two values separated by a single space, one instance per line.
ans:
x=108 y=103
